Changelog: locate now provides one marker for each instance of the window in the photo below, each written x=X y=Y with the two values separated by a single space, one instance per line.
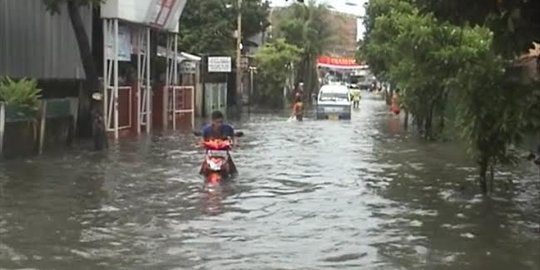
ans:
x=334 y=96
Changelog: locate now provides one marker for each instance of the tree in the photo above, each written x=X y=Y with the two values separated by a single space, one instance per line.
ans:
x=255 y=15
x=514 y=23
x=375 y=46
x=490 y=112
x=407 y=48
x=433 y=59
x=87 y=59
x=307 y=27
x=274 y=61
x=207 y=26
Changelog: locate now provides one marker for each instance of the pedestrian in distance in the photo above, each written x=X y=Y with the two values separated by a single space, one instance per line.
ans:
x=395 y=107
x=298 y=108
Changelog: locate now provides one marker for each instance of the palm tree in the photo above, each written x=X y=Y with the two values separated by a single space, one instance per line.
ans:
x=308 y=27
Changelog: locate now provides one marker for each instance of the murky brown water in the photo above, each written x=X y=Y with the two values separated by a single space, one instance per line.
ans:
x=312 y=195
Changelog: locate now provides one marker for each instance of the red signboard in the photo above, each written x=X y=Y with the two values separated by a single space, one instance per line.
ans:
x=341 y=61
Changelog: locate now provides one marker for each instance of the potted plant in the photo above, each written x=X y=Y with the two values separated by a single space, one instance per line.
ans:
x=20 y=97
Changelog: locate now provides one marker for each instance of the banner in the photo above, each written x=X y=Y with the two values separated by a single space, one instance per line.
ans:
x=337 y=61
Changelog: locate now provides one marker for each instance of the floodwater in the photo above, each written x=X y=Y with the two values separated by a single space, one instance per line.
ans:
x=359 y=194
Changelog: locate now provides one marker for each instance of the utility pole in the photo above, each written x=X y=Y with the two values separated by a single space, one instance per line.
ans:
x=239 y=90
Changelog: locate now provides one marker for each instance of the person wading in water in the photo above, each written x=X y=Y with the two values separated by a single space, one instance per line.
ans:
x=298 y=108
x=395 y=108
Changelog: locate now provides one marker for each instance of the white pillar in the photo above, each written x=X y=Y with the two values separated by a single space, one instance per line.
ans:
x=105 y=72
x=115 y=87
x=139 y=79
x=148 y=89
x=165 y=111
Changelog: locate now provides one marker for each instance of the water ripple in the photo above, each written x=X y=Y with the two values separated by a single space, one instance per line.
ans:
x=356 y=194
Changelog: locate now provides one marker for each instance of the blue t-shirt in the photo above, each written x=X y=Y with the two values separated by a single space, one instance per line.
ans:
x=224 y=131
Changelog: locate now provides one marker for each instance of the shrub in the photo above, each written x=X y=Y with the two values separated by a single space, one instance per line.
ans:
x=22 y=92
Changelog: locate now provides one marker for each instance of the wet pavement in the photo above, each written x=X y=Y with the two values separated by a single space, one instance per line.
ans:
x=359 y=194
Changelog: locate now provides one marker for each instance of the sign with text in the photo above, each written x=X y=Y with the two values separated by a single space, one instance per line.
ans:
x=188 y=67
x=219 y=64
x=337 y=62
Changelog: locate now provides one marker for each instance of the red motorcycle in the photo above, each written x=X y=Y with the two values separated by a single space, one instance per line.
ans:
x=217 y=164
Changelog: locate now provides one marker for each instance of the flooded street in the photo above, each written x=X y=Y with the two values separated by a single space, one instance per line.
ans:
x=359 y=194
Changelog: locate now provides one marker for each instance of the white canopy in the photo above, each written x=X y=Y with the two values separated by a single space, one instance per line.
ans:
x=182 y=56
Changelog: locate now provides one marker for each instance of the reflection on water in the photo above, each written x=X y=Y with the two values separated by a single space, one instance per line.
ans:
x=311 y=195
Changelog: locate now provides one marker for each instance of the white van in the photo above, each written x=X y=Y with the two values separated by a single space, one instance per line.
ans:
x=334 y=102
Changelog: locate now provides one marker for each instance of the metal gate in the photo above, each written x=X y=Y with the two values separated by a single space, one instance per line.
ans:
x=119 y=108
x=215 y=97
x=180 y=103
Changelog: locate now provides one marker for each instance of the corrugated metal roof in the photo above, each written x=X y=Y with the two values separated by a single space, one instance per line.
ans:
x=35 y=44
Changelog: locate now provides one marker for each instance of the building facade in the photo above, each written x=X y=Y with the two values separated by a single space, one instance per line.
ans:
x=39 y=45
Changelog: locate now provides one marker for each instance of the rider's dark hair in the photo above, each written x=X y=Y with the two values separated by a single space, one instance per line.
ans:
x=217 y=115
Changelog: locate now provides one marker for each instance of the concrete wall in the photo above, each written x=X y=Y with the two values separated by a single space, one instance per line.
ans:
x=35 y=44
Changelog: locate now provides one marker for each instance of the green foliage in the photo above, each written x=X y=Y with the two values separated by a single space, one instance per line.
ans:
x=207 y=26
x=22 y=92
x=378 y=43
x=514 y=23
x=444 y=62
x=254 y=17
x=491 y=111
x=273 y=62
x=309 y=28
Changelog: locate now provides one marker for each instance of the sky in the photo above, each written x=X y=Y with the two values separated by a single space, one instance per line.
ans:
x=355 y=7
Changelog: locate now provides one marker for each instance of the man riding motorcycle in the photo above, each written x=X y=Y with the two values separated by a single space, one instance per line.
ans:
x=217 y=129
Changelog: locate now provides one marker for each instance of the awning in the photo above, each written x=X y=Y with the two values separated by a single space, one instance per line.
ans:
x=182 y=56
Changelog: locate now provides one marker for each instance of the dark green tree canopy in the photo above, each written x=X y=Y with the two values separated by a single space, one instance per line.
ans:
x=459 y=54
x=207 y=26
x=515 y=23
